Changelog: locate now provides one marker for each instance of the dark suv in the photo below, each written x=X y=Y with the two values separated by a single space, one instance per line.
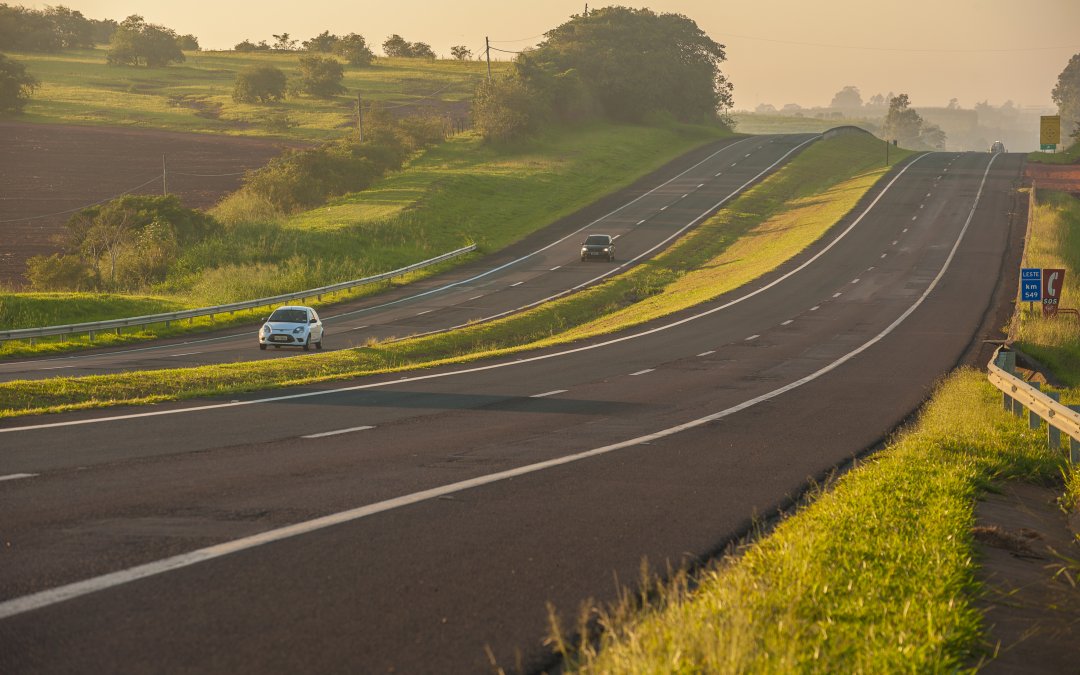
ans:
x=598 y=246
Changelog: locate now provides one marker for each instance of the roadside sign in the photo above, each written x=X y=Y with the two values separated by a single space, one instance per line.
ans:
x=1048 y=146
x=1031 y=284
x=1052 y=281
x=1050 y=129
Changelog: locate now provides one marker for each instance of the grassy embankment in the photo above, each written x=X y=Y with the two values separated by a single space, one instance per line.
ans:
x=77 y=87
x=876 y=574
x=758 y=123
x=460 y=192
x=756 y=233
x=1070 y=156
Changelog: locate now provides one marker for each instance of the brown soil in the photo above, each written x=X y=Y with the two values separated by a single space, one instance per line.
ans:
x=47 y=171
x=1064 y=177
x=1029 y=557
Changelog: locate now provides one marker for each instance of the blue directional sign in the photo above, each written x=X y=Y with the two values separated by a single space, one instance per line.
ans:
x=1031 y=284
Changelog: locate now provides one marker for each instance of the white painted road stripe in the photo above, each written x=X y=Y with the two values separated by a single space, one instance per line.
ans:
x=57 y=367
x=642 y=372
x=549 y=393
x=426 y=311
x=555 y=268
x=837 y=295
x=17 y=476
x=517 y=284
x=855 y=281
x=752 y=337
x=185 y=354
x=339 y=431
x=815 y=308
x=476 y=297
x=52 y=596
x=789 y=321
x=359 y=328
x=711 y=351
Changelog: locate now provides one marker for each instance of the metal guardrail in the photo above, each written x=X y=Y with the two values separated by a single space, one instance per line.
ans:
x=117 y=324
x=1041 y=406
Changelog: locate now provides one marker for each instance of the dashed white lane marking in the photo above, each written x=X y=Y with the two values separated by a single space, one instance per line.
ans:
x=57 y=367
x=904 y=230
x=684 y=196
x=837 y=295
x=426 y=311
x=517 y=284
x=752 y=337
x=363 y=327
x=558 y=266
x=701 y=186
x=855 y=281
x=718 y=174
x=17 y=476
x=870 y=269
x=815 y=308
x=642 y=372
x=788 y=322
x=734 y=163
x=641 y=221
x=927 y=194
x=914 y=217
x=664 y=208
x=185 y=354
x=549 y=393
x=884 y=254
x=922 y=206
x=711 y=351
x=747 y=154
x=337 y=431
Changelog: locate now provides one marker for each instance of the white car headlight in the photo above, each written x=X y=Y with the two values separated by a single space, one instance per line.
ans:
x=299 y=329
x=266 y=329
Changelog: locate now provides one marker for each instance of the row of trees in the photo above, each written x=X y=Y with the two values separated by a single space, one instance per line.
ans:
x=318 y=76
x=136 y=42
x=51 y=29
x=617 y=62
x=352 y=47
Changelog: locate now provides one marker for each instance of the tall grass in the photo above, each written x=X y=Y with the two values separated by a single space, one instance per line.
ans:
x=875 y=575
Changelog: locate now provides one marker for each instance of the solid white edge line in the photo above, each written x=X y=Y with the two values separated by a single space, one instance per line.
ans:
x=417 y=378
x=338 y=431
x=17 y=476
x=60 y=594
x=549 y=393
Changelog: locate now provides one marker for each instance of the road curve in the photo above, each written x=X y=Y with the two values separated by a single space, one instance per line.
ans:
x=412 y=524
x=646 y=218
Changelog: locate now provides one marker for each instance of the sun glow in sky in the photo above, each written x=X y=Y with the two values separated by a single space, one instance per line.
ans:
x=779 y=51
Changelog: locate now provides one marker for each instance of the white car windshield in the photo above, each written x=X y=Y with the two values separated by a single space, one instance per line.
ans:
x=289 y=316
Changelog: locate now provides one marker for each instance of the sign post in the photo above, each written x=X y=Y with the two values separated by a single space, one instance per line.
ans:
x=1052 y=281
x=1049 y=132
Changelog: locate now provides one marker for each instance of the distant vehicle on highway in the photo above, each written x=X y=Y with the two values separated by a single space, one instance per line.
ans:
x=998 y=146
x=292 y=326
x=598 y=246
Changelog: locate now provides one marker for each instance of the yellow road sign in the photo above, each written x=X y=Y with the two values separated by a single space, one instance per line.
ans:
x=1050 y=129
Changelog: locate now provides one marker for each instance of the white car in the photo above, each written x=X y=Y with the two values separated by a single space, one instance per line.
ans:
x=292 y=326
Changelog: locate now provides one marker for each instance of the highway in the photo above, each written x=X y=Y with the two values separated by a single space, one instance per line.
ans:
x=420 y=523
x=645 y=218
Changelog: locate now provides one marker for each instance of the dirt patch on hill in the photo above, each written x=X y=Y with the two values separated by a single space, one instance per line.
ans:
x=1064 y=177
x=49 y=171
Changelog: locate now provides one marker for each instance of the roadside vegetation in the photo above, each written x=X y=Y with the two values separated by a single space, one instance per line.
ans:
x=757 y=232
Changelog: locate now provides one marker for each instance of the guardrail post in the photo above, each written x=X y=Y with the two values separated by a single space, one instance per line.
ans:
x=1074 y=445
x=1017 y=406
x=1053 y=434
x=1033 y=417
x=91 y=336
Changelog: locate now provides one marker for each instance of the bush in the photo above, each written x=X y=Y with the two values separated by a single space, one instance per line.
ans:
x=321 y=76
x=353 y=48
x=16 y=85
x=261 y=84
x=60 y=272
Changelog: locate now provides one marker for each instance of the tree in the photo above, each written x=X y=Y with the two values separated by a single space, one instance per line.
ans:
x=261 y=84
x=48 y=30
x=16 y=85
x=847 y=98
x=876 y=101
x=1066 y=94
x=136 y=41
x=421 y=50
x=461 y=52
x=504 y=109
x=354 y=49
x=189 y=42
x=954 y=104
x=284 y=42
x=321 y=76
x=395 y=45
x=324 y=43
x=636 y=62
x=245 y=46
x=932 y=136
x=902 y=124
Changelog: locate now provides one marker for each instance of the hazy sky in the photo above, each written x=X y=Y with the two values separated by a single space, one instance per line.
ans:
x=779 y=51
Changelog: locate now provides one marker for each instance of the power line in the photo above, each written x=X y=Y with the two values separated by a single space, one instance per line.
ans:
x=60 y=213
x=533 y=37
x=898 y=49
x=504 y=51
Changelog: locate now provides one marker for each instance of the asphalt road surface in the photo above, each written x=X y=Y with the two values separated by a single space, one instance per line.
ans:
x=645 y=218
x=418 y=523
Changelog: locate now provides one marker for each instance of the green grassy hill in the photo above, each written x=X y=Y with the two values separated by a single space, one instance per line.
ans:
x=78 y=88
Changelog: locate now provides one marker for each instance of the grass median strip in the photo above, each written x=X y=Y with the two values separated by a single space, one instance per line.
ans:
x=756 y=233
x=874 y=575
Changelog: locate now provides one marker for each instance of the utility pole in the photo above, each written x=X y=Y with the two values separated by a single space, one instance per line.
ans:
x=360 y=117
x=487 y=49
x=586 y=9
x=164 y=186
